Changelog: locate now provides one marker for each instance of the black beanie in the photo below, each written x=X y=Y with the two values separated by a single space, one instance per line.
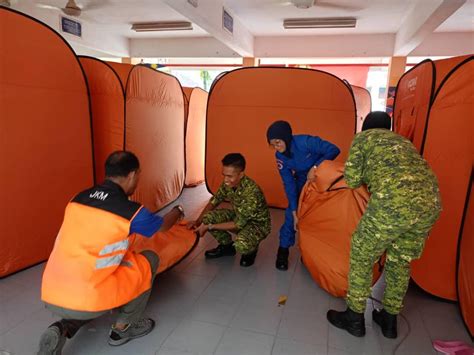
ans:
x=377 y=119
x=281 y=130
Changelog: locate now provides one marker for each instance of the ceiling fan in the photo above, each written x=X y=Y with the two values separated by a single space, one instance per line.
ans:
x=72 y=8
x=340 y=4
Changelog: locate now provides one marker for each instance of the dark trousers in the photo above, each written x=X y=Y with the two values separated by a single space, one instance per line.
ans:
x=130 y=312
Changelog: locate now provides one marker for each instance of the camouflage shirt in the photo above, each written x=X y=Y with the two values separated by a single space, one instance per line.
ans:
x=248 y=202
x=392 y=169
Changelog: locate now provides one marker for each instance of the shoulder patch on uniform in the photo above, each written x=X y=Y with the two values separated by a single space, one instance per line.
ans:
x=279 y=164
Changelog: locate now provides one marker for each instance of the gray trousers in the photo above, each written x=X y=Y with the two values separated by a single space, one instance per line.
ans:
x=130 y=312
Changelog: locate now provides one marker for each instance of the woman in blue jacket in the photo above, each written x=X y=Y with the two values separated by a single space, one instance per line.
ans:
x=295 y=156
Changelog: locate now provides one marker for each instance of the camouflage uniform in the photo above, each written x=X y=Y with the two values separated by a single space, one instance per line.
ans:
x=404 y=205
x=250 y=214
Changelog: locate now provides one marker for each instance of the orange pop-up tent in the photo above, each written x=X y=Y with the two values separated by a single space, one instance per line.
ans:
x=447 y=146
x=433 y=108
x=363 y=104
x=108 y=110
x=412 y=102
x=127 y=112
x=195 y=135
x=45 y=139
x=244 y=102
x=328 y=214
x=147 y=118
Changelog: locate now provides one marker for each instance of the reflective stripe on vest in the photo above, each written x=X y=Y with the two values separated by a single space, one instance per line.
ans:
x=110 y=248
x=102 y=263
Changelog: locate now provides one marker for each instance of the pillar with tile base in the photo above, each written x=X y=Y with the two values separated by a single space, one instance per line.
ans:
x=396 y=68
x=249 y=62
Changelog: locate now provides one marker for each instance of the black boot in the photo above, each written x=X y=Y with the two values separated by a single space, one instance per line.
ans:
x=387 y=321
x=248 y=259
x=221 y=250
x=282 y=259
x=348 y=320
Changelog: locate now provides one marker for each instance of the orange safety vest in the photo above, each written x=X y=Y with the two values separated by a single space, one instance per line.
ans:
x=91 y=267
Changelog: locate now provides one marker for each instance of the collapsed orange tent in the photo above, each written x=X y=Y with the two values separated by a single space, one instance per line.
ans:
x=46 y=137
x=195 y=135
x=244 y=102
x=147 y=118
x=172 y=246
x=449 y=149
x=363 y=104
x=328 y=214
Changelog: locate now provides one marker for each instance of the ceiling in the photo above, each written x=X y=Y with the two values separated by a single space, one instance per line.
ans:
x=399 y=27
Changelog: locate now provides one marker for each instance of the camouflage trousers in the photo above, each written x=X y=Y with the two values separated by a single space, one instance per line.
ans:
x=403 y=241
x=248 y=238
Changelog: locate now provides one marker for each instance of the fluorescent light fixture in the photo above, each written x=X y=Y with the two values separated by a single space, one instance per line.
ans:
x=162 y=26
x=322 y=22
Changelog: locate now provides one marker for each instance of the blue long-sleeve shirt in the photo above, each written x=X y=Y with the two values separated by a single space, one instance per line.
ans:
x=306 y=152
x=146 y=223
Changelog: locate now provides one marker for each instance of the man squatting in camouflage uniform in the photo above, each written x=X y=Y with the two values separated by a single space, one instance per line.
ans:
x=404 y=205
x=249 y=217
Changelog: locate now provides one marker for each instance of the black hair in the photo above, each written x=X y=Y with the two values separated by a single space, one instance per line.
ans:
x=236 y=160
x=121 y=163
x=377 y=119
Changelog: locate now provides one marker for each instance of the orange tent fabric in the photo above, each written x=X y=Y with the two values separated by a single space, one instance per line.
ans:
x=244 y=102
x=172 y=246
x=108 y=110
x=449 y=150
x=147 y=119
x=328 y=214
x=187 y=94
x=45 y=139
x=413 y=96
x=444 y=66
x=154 y=131
x=465 y=276
x=363 y=104
x=195 y=136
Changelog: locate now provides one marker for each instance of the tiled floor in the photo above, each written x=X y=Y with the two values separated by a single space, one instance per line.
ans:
x=216 y=307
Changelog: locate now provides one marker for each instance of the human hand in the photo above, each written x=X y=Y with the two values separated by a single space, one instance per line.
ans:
x=201 y=230
x=295 y=221
x=193 y=224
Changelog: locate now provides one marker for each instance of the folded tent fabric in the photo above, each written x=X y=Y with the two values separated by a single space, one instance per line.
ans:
x=328 y=214
x=170 y=246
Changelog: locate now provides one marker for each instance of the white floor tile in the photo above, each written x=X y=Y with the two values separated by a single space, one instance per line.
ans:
x=287 y=347
x=241 y=342
x=305 y=327
x=212 y=310
x=195 y=337
x=258 y=318
x=340 y=339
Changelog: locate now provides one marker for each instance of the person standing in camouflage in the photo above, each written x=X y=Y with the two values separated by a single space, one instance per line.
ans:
x=249 y=217
x=404 y=205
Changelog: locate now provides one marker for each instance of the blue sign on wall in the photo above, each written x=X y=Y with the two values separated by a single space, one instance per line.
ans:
x=227 y=21
x=71 y=26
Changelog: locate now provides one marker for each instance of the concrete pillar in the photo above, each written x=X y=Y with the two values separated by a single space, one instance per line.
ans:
x=249 y=62
x=396 y=68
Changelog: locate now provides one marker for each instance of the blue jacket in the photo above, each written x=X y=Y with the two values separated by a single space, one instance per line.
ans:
x=306 y=152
